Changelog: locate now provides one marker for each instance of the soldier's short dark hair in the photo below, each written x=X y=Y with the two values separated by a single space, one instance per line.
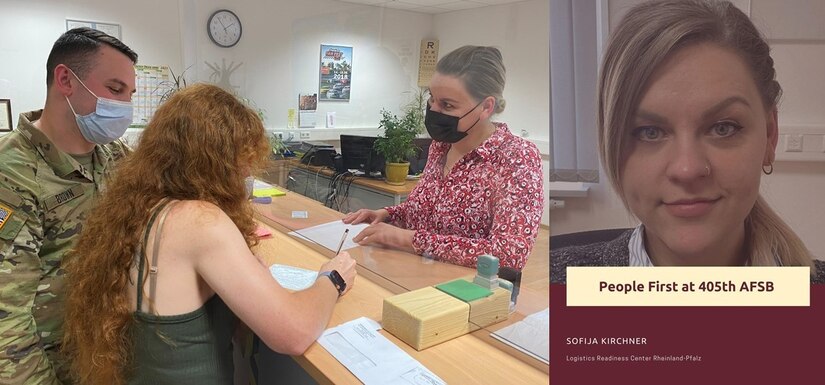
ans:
x=76 y=49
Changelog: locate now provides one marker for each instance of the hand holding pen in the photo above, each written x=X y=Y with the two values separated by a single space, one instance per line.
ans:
x=343 y=263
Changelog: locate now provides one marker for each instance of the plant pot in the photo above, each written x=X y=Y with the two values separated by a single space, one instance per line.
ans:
x=396 y=173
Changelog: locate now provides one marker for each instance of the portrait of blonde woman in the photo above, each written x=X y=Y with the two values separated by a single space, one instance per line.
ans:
x=688 y=127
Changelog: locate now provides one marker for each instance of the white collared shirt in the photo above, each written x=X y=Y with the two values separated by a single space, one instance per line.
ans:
x=638 y=254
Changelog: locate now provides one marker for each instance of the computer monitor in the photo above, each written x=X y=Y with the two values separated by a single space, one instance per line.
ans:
x=419 y=160
x=357 y=153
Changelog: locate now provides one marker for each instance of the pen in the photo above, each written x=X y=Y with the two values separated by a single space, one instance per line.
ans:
x=340 y=245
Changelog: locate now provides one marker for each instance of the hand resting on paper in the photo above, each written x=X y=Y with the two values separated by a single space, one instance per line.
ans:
x=366 y=216
x=385 y=234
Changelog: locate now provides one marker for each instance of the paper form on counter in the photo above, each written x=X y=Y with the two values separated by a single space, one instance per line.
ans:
x=293 y=278
x=372 y=357
x=530 y=335
x=329 y=234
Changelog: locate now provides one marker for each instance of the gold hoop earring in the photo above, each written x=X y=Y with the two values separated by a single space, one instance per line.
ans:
x=769 y=170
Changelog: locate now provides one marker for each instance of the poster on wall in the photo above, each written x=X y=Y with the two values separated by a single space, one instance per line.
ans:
x=428 y=58
x=307 y=104
x=336 y=73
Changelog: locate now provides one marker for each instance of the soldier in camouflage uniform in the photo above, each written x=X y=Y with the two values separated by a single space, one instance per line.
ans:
x=52 y=168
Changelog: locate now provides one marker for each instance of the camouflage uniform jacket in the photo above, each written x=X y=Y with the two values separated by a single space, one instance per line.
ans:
x=45 y=196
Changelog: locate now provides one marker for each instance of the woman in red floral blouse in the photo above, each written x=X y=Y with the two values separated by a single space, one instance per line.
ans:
x=481 y=192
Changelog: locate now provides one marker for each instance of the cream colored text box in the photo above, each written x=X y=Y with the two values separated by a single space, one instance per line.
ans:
x=688 y=286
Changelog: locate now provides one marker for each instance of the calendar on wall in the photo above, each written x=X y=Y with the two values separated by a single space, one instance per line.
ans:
x=151 y=82
x=426 y=62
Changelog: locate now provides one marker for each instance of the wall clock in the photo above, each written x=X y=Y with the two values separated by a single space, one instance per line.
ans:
x=224 y=28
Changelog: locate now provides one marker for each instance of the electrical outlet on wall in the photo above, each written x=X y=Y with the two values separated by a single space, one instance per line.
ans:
x=279 y=135
x=304 y=135
x=793 y=143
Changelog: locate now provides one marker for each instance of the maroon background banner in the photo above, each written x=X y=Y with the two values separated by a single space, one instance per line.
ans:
x=687 y=345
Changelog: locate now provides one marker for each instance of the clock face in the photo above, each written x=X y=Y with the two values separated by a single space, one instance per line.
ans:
x=224 y=28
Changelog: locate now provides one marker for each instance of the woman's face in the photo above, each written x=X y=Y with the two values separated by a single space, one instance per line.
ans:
x=695 y=153
x=449 y=96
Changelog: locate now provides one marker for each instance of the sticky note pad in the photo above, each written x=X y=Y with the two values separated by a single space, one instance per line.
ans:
x=262 y=232
x=464 y=290
x=267 y=192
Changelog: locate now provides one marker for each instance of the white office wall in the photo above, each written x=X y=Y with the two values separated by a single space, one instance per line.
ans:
x=280 y=52
x=29 y=28
x=279 y=49
x=522 y=32
x=795 y=189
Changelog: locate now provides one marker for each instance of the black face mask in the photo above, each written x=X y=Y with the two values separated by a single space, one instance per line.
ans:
x=443 y=127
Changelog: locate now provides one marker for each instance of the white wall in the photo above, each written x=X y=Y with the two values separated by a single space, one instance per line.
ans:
x=29 y=29
x=522 y=32
x=795 y=189
x=280 y=50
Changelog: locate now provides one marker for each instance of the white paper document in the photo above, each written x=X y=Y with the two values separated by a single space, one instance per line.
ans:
x=372 y=357
x=530 y=335
x=260 y=185
x=293 y=278
x=329 y=234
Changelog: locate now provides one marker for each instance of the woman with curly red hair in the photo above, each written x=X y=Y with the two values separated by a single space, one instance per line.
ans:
x=164 y=268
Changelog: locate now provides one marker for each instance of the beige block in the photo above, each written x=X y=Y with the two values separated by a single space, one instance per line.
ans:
x=425 y=317
x=489 y=310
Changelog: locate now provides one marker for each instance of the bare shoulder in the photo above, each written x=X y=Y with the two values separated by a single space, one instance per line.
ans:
x=201 y=223
x=195 y=210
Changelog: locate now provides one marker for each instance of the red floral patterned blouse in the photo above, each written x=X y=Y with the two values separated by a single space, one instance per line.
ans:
x=490 y=203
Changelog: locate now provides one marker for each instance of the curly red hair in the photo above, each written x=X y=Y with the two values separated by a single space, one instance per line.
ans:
x=200 y=145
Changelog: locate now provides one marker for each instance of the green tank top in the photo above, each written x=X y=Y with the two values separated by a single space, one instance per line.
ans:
x=192 y=348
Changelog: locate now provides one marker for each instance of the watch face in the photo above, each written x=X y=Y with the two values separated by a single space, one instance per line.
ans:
x=224 y=28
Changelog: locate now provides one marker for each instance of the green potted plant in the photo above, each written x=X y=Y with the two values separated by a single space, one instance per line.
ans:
x=169 y=87
x=278 y=146
x=396 y=144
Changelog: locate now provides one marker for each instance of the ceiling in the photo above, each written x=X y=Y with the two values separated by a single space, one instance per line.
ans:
x=431 y=6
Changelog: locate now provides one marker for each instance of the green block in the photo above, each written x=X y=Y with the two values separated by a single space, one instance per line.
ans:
x=464 y=290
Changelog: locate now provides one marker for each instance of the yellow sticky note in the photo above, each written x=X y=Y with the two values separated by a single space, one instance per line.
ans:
x=267 y=192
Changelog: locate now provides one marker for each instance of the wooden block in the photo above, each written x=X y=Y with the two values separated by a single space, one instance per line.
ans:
x=425 y=317
x=489 y=310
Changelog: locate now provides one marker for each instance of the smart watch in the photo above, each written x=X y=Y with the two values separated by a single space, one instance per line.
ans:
x=336 y=279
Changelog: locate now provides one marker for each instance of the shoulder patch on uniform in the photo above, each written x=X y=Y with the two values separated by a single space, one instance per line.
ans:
x=5 y=214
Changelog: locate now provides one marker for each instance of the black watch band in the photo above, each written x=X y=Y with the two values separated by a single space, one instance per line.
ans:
x=336 y=279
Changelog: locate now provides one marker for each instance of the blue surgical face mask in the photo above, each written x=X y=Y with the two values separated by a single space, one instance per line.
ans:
x=107 y=122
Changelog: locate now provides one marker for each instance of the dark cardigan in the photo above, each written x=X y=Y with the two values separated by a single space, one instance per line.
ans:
x=616 y=253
